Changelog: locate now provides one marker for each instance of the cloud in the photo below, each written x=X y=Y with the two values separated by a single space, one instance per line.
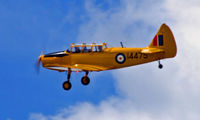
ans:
x=120 y=23
x=112 y=109
x=144 y=92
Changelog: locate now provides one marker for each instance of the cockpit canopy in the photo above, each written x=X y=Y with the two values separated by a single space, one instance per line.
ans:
x=84 y=48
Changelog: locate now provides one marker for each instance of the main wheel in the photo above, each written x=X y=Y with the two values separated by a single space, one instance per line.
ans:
x=67 y=85
x=160 y=66
x=85 y=80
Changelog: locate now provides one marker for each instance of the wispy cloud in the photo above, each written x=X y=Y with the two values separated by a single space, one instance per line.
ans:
x=144 y=92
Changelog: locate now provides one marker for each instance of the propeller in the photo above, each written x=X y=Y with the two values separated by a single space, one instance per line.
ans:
x=37 y=66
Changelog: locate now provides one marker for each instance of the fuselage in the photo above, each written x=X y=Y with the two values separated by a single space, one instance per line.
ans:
x=106 y=58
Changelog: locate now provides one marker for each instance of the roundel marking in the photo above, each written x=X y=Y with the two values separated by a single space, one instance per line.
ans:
x=120 y=58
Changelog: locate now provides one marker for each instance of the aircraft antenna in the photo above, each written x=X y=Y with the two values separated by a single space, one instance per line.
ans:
x=122 y=44
x=106 y=46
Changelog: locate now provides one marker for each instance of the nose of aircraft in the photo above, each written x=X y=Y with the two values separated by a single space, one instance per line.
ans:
x=53 y=58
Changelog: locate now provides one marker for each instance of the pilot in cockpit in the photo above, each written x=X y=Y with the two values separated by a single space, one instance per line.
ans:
x=77 y=50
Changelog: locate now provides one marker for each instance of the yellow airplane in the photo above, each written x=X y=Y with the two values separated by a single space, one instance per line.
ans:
x=98 y=57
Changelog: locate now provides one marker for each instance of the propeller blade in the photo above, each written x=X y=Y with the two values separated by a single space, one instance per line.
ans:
x=38 y=64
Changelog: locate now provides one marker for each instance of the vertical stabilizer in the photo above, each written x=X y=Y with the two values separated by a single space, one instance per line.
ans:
x=164 y=39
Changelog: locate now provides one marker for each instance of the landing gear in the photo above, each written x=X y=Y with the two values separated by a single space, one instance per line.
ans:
x=67 y=85
x=85 y=79
x=160 y=65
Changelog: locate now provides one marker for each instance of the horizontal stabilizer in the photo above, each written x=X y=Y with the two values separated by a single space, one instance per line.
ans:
x=152 y=50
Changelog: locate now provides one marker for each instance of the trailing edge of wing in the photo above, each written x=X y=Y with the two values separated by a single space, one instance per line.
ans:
x=152 y=50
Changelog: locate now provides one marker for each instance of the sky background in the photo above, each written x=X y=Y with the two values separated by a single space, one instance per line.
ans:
x=140 y=93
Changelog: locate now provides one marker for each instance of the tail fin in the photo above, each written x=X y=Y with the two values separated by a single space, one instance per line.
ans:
x=164 y=40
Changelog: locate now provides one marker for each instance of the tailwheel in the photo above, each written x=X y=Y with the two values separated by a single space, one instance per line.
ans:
x=67 y=85
x=85 y=80
x=160 y=65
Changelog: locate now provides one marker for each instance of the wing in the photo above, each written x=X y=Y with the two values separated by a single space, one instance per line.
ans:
x=79 y=67
x=152 y=50
x=85 y=67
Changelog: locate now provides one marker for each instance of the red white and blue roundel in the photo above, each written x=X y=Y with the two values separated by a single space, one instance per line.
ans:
x=120 y=58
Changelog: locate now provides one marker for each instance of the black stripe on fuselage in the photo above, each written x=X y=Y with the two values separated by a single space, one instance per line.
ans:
x=56 y=54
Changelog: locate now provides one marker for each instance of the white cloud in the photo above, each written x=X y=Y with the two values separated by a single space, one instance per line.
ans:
x=145 y=93
x=113 y=109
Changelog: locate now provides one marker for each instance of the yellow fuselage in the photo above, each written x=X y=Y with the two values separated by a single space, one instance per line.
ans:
x=106 y=58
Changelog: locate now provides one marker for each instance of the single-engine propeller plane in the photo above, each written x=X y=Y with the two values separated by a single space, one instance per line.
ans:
x=98 y=57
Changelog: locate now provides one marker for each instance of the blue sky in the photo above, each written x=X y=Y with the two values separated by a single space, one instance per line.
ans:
x=141 y=92
x=27 y=28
